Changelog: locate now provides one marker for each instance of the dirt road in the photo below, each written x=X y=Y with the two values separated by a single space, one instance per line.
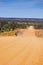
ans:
x=21 y=50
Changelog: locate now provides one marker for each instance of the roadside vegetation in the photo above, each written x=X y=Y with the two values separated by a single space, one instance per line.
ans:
x=9 y=28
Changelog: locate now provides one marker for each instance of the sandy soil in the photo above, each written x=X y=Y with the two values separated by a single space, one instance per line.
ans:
x=21 y=50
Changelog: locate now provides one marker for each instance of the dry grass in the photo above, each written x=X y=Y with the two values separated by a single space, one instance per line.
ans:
x=39 y=33
x=10 y=33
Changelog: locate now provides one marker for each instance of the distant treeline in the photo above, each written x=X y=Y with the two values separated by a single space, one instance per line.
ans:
x=8 y=26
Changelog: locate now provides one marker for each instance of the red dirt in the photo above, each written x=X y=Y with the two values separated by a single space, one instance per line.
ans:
x=26 y=49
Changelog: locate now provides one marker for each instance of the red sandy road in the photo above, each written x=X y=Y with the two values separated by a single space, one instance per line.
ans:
x=21 y=50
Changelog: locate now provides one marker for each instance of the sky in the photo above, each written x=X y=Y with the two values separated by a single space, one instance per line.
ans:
x=21 y=8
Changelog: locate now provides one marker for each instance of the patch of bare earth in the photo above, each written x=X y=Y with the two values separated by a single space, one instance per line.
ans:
x=26 y=49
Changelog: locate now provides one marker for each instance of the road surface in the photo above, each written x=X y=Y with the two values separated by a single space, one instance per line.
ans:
x=21 y=50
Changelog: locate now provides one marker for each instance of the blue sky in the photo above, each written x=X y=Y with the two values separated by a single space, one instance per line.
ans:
x=21 y=8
